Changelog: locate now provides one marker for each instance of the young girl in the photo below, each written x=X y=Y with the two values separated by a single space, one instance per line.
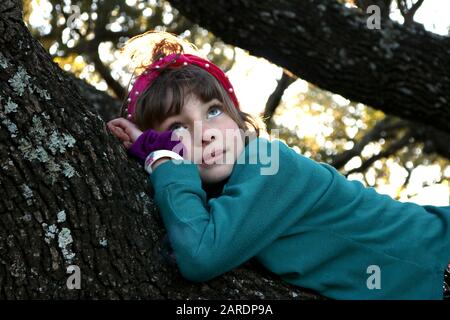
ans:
x=304 y=221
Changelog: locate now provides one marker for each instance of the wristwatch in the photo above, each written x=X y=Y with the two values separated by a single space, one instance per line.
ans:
x=158 y=154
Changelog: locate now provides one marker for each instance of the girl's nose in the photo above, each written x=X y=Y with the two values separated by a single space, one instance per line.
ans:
x=208 y=135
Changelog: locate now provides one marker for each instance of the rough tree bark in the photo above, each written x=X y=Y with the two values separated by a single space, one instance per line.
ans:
x=401 y=71
x=70 y=196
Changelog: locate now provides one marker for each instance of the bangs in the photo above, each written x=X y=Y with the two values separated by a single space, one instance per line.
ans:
x=203 y=85
x=165 y=97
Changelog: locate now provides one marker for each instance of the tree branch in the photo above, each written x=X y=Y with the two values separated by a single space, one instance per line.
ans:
x=408 y=13
x=393 y=148
x=380 y=130
x=330 y=45
x=274 y=100
x=105 y=72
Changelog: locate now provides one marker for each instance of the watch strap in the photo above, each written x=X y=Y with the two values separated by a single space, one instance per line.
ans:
x=158 y=154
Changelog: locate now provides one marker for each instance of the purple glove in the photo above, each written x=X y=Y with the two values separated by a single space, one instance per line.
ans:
x=151 y=140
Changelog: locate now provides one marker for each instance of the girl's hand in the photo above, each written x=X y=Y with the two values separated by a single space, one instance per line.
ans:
x=125 y=130
x=140 y=144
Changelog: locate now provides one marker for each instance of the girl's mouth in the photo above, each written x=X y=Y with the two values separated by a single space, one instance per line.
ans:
x=212 y=158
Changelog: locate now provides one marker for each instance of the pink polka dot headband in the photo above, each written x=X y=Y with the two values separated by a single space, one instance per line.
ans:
x=176 y=60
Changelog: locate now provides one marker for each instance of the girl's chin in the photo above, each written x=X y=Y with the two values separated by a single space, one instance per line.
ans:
x=214 y=173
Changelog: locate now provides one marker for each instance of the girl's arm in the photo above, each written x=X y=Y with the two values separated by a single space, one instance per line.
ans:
x=212 y=238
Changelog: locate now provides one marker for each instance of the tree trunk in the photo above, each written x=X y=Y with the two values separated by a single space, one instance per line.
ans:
x=70 y=196
x=100 y=101
x=401 y=71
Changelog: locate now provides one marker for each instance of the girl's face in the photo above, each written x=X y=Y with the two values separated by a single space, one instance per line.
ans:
x=209 y=131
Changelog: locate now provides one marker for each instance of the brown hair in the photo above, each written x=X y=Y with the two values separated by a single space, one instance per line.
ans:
x=166 y=94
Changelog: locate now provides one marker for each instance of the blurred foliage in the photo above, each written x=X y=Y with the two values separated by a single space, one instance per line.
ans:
x=95 y=29
x=324 y=125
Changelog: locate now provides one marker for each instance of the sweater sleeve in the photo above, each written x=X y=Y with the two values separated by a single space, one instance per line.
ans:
x=211 y=238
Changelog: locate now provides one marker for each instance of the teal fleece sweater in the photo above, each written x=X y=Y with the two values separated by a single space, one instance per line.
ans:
x=307 y=223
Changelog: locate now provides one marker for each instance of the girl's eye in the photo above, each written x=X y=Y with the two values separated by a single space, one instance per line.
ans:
x=217 y=108
x=175 y=126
